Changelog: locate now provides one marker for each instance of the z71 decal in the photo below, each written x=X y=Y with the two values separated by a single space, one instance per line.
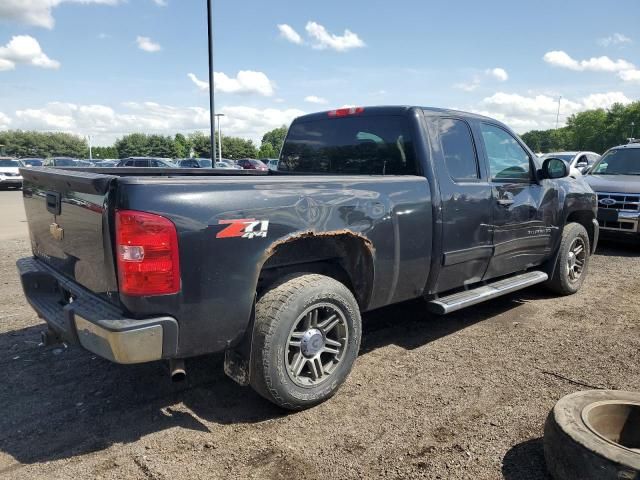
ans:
x=243 y=228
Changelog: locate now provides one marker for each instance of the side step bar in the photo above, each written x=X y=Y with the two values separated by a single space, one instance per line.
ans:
x=460 y=300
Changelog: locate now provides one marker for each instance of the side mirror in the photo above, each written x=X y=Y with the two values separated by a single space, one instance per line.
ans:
x=555 y=168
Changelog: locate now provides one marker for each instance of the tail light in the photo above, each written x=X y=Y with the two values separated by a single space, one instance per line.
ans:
x=147 y=251
x=343 y=112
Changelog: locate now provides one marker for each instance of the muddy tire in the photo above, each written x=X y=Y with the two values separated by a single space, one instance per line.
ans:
x=594 y=435
x=306 y=339
x=573 y=260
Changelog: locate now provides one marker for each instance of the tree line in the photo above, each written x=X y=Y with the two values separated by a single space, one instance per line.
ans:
x=595 y=130
x=592 y=130
x=23 y=144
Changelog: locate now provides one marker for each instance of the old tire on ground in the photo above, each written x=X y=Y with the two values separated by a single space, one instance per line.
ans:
x=594 y=435
x=306 y=339
x=573 y=260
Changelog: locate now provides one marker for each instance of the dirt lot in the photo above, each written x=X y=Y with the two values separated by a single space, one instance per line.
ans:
x=456 y=397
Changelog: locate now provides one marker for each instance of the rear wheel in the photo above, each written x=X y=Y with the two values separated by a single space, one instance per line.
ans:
x=306 y=339
x=573 y=260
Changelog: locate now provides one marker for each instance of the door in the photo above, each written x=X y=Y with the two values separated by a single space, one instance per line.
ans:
x=524 y=212
x=466 y=206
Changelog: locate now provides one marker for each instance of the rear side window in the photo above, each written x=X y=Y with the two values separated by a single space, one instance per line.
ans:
x=141 y=163
x=354 y=145
x=458 y=149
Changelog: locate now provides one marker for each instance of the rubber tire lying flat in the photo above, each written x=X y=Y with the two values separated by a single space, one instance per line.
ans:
x=574 y=452
x=276 y=311
x=559 y=281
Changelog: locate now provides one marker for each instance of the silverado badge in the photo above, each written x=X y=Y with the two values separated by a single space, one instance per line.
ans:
x=56 y=231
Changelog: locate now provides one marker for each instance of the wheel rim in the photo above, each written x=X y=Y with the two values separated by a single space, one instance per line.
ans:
x=576 y=259
x=316 y=345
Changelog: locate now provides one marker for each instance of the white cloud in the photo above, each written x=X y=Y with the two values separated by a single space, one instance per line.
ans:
x=524 y=113
x=246 y=81
x=161 y=3
x=498 y=73
x=25 y=50
x=559 y=58
x=148 y=45
x=630 y=75
x=604 y=100
x=468 y=86
x=39 y=12
x=5 y=121
x=615 y=39
x=287 y=32
x=106 y=124
x=315 y=99
x=323 y=39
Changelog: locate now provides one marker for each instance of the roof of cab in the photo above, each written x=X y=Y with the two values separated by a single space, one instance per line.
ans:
x=397 y=110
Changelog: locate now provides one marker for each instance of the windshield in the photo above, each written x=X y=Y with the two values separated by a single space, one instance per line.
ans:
x=205 y=163
x=33 y=163
x=622 y=161
x=562 y=156
x=365 y=145
x=64 y=162
x=10 y=163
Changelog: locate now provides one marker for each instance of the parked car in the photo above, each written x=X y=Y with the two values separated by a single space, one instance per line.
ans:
x=579 y=161
x=275 y=270
x=32 y=162
x=10 y=176
x=616 y=180
x=251 y=164
x=145 y=162
x=61 y=162
x=272 y=163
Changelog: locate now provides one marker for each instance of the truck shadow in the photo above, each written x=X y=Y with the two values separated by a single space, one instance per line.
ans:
x=618 y=247
x=59 y=403
x=525 y=461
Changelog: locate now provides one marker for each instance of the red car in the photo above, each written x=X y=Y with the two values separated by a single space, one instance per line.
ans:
x=251 y=164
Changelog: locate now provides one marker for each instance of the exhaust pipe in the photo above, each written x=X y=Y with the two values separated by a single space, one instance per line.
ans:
x=177 y=370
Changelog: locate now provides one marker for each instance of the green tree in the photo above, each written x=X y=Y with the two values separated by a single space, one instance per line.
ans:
x=21 y=143
x=182 y=145
x=267 y=151
x=235 y=147
x=275 y=138
x=133 y=145
x=201 y=144
x=100 y=153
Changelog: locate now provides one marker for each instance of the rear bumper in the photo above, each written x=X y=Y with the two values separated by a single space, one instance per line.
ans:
x=80 y=317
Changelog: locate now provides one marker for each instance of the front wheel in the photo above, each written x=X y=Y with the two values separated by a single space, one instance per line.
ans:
x=573 y=260
x=306 y=339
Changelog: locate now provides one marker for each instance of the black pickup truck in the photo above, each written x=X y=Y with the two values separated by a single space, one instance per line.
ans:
x=369 y=207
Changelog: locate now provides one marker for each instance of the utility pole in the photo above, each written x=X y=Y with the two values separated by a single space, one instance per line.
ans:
x=212 y=111
x=90 y=149
x=218 y=115
x=633 y=124
x=558 y=114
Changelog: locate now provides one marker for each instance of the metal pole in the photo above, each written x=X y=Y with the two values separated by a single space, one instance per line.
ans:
x=558 y=114
x=212 y=111
x=633 y=124
x=90 y=152
x=219 y=135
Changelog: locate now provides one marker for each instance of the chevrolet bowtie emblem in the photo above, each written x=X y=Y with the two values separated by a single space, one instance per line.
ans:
x=56 y=231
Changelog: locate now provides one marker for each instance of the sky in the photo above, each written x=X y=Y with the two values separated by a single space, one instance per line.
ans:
x=105 y=68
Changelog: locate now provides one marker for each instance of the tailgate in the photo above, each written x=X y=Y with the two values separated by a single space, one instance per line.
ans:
x=68 y=216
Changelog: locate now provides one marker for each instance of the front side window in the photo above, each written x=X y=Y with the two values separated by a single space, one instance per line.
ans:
x=507 y=159
x=352 y=145
x=458 y=149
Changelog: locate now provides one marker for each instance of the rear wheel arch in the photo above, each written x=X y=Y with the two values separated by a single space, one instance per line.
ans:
x=346 y=257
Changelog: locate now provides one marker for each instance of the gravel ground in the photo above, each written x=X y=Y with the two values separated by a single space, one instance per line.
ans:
x=463 y=396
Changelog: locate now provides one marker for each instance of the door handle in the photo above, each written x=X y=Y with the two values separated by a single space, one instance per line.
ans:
x=505 y=202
